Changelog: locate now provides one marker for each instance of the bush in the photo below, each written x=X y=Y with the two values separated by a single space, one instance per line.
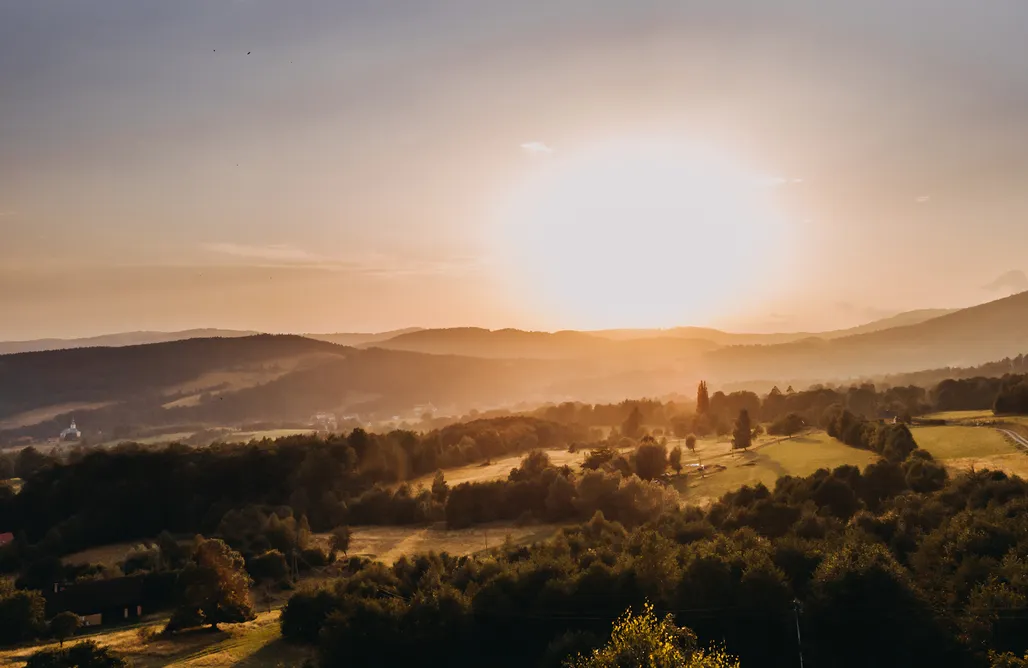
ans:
x=83 y=655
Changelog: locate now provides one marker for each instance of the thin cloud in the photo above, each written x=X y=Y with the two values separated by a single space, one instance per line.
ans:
x=536 y=148
x=5 y=214
x=272 y=252
x=367 y=264
x=922 y=199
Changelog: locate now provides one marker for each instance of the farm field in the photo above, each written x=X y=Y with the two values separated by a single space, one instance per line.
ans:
x=959 y=416
x=801 y=455
x=952 y=442
x=500 y=469
x=963 y=448
x=256 y=644
x=389 y=543
x=382 y=543
x=247 y=436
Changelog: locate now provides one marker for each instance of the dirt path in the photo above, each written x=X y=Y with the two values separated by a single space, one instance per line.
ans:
x=1019 y=440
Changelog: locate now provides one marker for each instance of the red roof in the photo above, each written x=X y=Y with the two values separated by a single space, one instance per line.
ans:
x=6 y=538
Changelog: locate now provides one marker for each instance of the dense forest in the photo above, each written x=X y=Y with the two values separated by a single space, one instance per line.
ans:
x=874 y=571
x=132 y=492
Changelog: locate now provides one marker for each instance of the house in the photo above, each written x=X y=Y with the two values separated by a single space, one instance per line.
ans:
x=6 y=538
x=98 y=601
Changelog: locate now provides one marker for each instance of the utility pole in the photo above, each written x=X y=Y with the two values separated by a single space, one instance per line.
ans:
x=799 y=640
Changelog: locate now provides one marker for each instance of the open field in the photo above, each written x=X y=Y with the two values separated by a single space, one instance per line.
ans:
x=389 y=543
x=500 y=468
x=256 y=644
x=962 y=448
x=247 y=436
x=382 y=543
x=951 y=442
x=800 y=456
x=960 y=416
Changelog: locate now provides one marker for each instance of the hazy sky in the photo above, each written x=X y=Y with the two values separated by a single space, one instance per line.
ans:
x=379 y=164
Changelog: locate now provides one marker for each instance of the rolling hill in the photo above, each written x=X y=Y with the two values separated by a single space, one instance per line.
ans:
x=120 y=339
x=967 y=337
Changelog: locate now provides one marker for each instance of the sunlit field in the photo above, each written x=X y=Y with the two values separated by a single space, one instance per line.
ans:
x=951 y=442
x=256 y=644
x=389 y=543
x=961 y=416
x=800 y=456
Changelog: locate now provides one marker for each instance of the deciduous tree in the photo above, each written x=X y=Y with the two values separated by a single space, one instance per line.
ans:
x=215 y=588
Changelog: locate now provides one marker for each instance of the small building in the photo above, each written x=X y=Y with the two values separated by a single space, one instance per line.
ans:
x=98 y=601
x=72 y=433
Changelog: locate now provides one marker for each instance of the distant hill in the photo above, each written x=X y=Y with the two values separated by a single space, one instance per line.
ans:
x=722 y=338
x=121 y=339
x=898 y=320
x=361 y=338
x=962 y=338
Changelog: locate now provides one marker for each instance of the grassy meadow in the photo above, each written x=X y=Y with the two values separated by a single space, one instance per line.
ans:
x=765 y=463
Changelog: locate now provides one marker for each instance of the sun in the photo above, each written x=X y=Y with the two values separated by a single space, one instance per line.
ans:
x=640 y=234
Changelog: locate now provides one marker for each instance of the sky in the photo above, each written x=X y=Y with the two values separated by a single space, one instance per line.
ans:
x=335 y=165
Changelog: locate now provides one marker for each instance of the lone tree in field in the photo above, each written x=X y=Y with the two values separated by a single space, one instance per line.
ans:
x=702 y=399
x=742 y=435
x=650 y=459
x=690 y=443
x=643 y=641
x=215 y=588
x=675 y=458
x=64 y=626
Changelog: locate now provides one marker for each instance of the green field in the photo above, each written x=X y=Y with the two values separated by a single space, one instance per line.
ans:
x=952 y=442
x=961 y=416
x=798 y=456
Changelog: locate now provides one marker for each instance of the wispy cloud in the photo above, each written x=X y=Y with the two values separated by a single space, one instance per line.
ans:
x=536 y=148
x=377 y=265
x=272 y=252
x=922 y=199
x=5 y=214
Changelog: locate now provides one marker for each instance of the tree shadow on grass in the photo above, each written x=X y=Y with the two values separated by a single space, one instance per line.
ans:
x=277 y=653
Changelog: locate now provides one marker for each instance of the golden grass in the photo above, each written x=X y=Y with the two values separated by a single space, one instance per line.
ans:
x=389 y=543
x=765 y=463
x=959 y=416
x=256 y=644
x=952 y=442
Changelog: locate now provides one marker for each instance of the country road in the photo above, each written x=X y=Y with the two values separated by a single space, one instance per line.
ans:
x=1019 y=440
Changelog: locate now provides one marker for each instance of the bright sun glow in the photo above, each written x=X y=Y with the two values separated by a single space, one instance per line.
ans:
x=642 y=234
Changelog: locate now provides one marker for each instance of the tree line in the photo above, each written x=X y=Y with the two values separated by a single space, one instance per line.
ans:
x=876 y=568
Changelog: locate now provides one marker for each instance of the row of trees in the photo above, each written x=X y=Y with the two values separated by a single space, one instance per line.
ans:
x=133 y=492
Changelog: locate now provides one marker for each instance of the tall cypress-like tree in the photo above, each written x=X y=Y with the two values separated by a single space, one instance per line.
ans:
x=742 y=435
x=702 y=398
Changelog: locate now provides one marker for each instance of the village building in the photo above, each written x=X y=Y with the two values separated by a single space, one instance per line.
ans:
x=72 y=433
